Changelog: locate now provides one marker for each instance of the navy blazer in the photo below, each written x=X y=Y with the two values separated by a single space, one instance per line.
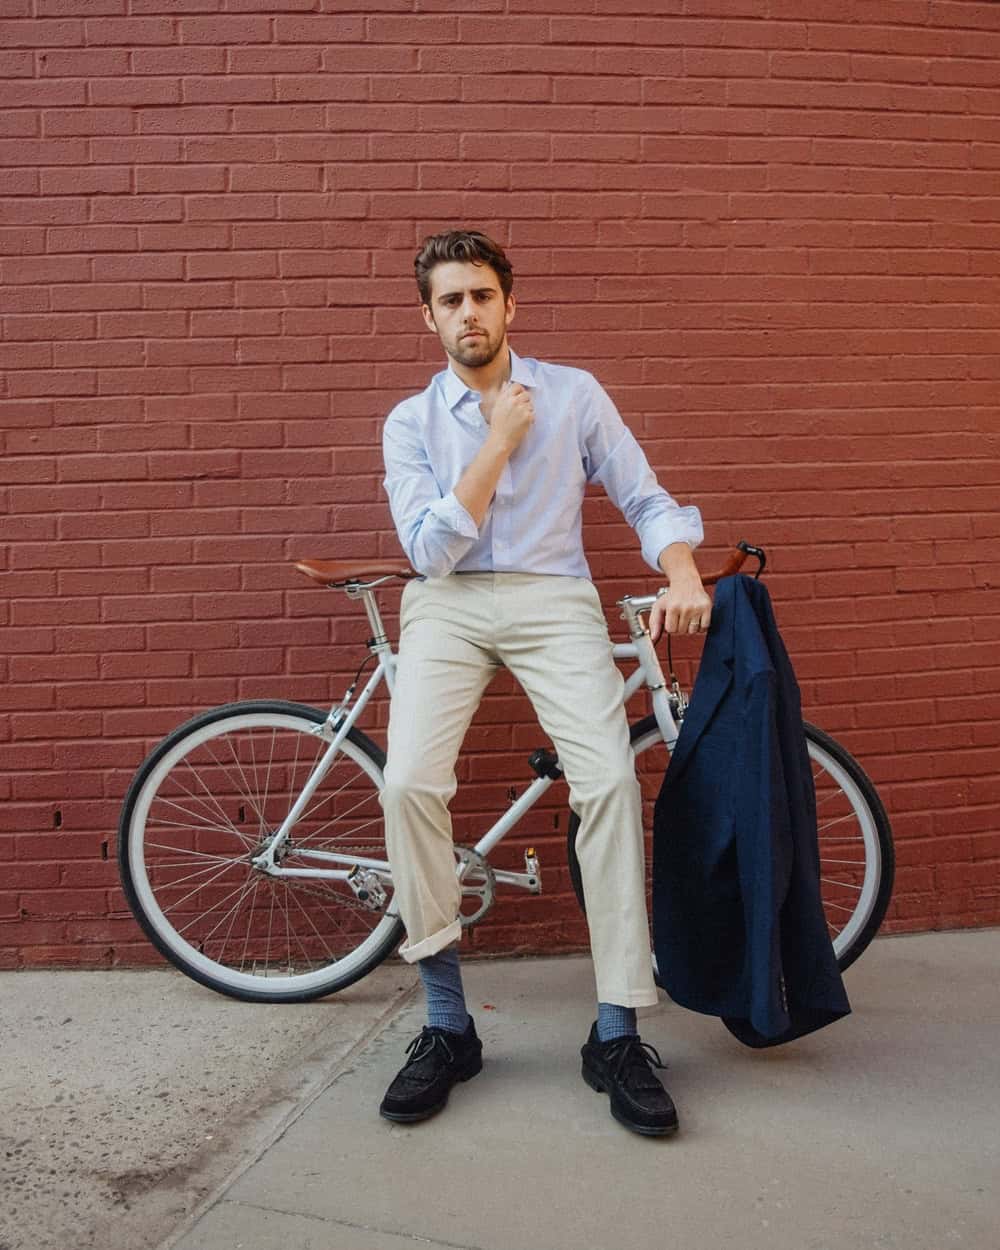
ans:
x=738 y=924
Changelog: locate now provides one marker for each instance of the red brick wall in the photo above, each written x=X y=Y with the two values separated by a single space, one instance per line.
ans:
x=769 y=226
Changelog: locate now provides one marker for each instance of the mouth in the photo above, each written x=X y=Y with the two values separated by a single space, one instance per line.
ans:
x=473 y=334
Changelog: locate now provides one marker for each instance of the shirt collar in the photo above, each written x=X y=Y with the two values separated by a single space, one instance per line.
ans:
x=455 y=389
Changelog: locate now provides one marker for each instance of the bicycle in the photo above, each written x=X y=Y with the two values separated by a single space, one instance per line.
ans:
x=251 y=848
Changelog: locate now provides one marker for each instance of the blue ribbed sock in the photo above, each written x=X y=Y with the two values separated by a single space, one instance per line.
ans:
x=442 y=978
x=614 y=1021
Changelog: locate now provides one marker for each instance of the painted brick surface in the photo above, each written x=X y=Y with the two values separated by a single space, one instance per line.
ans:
x=769 y=227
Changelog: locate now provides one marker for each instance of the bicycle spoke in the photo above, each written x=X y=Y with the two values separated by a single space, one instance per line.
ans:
x=197 y=824
x=839 y=821
x=234 y=912
x=191 y=893
x=326 y=799
x=245 y=792
x=267 y=776
x=245 y=887
x=314 y=929
x=350 y=834
x=209 y=795
x=200 y=872
x=246 y=940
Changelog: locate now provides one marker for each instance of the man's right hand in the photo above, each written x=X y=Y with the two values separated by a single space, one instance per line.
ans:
x=513 y=415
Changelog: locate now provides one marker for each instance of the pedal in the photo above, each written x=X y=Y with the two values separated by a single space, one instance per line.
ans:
x=368 y=888
x=534 y=871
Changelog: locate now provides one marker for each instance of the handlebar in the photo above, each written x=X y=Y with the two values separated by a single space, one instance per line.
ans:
x=353 y=572
x=735 y=562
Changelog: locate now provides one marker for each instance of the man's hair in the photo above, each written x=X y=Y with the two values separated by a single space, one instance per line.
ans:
x=462 y=245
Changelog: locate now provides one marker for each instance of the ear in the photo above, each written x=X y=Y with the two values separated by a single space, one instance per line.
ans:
x=428 y=317
x=510 y=309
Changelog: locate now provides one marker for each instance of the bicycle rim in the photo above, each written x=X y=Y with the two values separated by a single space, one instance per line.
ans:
x=201 y=807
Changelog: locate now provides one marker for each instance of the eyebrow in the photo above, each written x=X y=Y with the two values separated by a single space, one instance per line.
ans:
x=476 y=290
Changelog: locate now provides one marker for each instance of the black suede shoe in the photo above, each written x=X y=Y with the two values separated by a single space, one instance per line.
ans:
x=437 y=1061
x=623 y=1069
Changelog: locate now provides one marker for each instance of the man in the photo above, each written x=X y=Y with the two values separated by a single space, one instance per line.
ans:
x=485 y=472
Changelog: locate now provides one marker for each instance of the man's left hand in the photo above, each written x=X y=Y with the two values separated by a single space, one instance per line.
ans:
x=684 y=608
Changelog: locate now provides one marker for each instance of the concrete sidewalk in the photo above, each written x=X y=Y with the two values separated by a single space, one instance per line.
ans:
x=256 y=1128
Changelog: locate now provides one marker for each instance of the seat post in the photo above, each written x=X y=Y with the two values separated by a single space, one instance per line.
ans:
x=367 y=596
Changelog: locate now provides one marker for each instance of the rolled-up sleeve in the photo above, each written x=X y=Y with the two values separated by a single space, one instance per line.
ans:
x=435 y=530
x=614 y=458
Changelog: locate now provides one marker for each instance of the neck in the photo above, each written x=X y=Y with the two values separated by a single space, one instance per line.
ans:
x=488 y=377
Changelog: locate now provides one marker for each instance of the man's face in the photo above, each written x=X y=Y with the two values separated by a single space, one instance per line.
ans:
x=469 y=312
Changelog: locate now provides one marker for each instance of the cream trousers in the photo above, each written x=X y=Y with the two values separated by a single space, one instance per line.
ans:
x=550 y=631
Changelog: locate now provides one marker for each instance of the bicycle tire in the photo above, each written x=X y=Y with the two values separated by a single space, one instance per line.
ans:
x=202 y=801
x=855 y=907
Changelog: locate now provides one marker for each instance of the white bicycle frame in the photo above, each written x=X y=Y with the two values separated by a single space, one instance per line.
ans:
x=343 y=717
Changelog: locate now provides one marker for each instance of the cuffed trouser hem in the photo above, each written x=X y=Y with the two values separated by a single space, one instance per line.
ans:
x=637 y=998
x=431 y=945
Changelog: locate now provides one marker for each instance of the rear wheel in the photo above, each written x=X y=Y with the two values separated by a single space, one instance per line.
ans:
x=201 y=807
x=857 y=861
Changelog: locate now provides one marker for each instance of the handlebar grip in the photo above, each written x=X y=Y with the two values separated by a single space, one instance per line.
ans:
x=735 y=562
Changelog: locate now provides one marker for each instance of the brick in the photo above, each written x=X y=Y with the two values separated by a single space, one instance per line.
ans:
x=367 y=59
x=275 y=60
x=131 y=31
x=231 y=89
x=135 y=92
x=197 y=523
x=232 y=206
x=22 y=242
x=17 y=64
x=276 y=177
x=320 y=30
x=43 y=93
x=190 y=119
x=29 y=151
x=24 y=124
x=40 y=34
x=202 y=351
x=421 y=87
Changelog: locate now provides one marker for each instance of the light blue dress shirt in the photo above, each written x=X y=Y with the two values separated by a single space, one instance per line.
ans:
x=533 y=524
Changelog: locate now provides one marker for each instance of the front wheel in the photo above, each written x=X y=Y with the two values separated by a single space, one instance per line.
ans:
x=205 y=802
x=857 y=860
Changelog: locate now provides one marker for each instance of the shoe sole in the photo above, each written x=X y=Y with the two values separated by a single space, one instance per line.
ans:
x=645 y=1130
x=414 y=1117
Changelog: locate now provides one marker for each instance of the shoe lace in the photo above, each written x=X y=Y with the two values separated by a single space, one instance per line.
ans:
x=634 y=1056
x=424 y=1044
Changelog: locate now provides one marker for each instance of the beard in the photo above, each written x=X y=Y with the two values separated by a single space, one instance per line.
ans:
x=477 y=353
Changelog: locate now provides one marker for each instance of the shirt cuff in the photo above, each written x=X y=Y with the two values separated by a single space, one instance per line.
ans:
x=683 y=527
x=451 y=513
